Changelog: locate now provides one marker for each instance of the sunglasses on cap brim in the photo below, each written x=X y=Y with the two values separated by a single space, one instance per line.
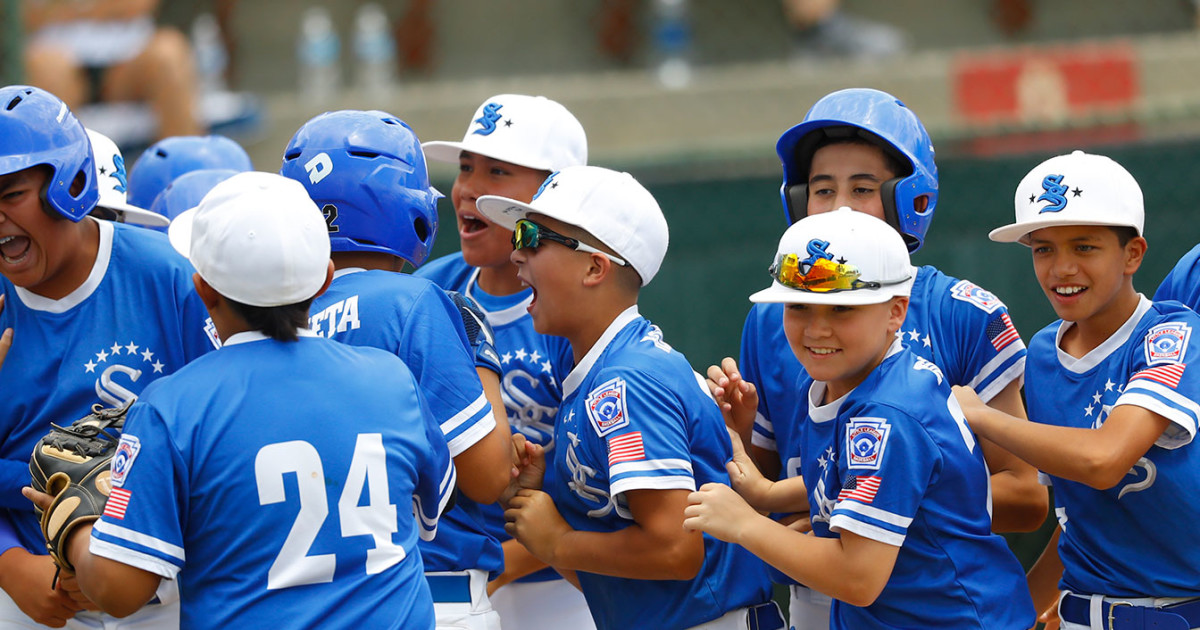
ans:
x=821 y=276
x=527 y=234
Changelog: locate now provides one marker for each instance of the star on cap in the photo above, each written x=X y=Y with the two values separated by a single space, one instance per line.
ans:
x=1078 y=191
x=1032 y=198
x=841 y=260
x=508 y=122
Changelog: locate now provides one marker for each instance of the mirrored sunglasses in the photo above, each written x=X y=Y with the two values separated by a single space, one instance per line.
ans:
x=822 y=276
x=528 y=234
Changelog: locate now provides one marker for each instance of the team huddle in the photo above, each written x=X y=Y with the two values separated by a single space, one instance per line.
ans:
x=242 y=412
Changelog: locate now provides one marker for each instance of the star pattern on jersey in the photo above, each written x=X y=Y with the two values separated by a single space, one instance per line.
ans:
x=1096 y=409
x=521 y=354
x=827 y=458
x=131 y=349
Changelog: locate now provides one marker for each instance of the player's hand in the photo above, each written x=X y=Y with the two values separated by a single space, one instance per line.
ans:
x=533 y=519
x=717 y=510
x=28 y=579
x=5 y=337
x=798 y=522
x=744 y=476
x=975 y=410
x=68 y=585
x=737 y=398
x=529 y=466
x=1049 y=617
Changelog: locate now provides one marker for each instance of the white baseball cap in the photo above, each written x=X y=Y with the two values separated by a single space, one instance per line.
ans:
x=530 y=131
x=257 y=238
x=1076 y=189
x=844 y=258
x=112 y=178
x=609 y=205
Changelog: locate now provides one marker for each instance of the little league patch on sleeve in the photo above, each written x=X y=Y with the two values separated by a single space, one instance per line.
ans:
x=606 y=407
x=970 y=292
x=866 y=439
x=127 y=451
x=1167 y=343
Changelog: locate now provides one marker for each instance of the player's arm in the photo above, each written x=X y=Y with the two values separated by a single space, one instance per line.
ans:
x=785 y=496
x=654 y=547
x=518 y=563
x=485 y=468
x=5 y=337
x=1099 y=458
x=1043 y=579
x=118 y=589
x=1019 y=502
x=863 y=565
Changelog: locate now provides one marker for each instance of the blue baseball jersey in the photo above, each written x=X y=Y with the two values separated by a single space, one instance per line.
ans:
x=135 y=319
x=894 y=461
x=1182 y=283
x=635 y=416
x=282 y=481
x=533 y=367
x=1125 y=541
x=961 y=327
x=415 y=320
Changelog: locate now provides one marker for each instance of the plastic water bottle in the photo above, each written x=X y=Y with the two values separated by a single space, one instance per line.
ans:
x=673 y=42
x=374 y=51
x=208 y=50
x=318 y=52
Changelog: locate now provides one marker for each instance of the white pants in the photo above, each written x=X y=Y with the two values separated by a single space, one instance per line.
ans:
x=150 y=617
x=550 y=605
x=476 y=614
x=808 y=609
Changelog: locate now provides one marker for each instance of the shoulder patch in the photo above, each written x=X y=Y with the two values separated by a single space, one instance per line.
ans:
x=127 y=451
x=925 y=364
x=606 y=407
x=1167 y=343
x=866 y=439
x=972 y=293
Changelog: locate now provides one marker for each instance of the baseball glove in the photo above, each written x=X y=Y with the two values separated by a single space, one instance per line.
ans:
x=72 y=465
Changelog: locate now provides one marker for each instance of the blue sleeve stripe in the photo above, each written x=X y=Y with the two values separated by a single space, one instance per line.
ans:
x=429 y=521
x=471 y=411
x=843 y=522
x=674 y=465
x=873 y=513
x=482 y=426
x=1000 y=366
x=641 y=482
x=1183 y=421
x=1014 y=373
x=763 y=435
x=107 y=528
x=125 y=555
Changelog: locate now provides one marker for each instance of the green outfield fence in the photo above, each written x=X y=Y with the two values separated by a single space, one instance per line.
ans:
x=13 y=38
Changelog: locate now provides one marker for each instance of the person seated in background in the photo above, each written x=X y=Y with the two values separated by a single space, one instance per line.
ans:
x=112 y=51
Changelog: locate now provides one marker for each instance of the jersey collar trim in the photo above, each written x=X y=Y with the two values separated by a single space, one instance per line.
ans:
x=1101 y=352
x=338 y=273
x=85 y=290
x=256 y=335
x=816 y=392
x=502 y=317
x=581 y=370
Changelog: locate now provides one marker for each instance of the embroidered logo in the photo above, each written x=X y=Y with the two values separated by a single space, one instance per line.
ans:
x=127 y=451
x=1055 y=195
x=974 y=294
x=866 y=439
x=606 y=407
x=487 y=122
x=1167 y=343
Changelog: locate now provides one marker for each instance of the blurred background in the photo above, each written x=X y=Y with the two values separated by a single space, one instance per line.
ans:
x=691 y=95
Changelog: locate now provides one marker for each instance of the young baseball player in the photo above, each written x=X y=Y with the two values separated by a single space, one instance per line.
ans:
x=897 y=489
x=511 y=145
x=366 y=171
x=329 y=474
x=171 y=157
x=97 y=311
x=1115 y=410
x=1182 y=283
x=636 y=432
x=864 y=149
x=113 y=182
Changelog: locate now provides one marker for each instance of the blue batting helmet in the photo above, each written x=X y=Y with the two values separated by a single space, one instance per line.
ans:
x=367 y=172
x=883 y=120
x=169 y=158
x=37 y=128
x=186 y=191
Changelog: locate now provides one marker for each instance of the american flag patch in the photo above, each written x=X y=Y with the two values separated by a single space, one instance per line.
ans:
x=626 y=448
x=1166 y=374
x=860 y=489
x=1001 y=331
x=118 y=500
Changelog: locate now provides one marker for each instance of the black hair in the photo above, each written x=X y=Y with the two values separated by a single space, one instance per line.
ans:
x=898 y=165
x=277 y=322
x=1124 y=233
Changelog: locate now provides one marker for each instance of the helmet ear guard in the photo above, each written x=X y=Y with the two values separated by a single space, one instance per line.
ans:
x=37 y=128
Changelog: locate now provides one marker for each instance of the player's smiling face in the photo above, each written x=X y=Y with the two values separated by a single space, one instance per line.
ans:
x=485 y=244
x=37 y=250
x=1086 y=274
x=554 y=271
x=840 y=345
x=848 y=174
